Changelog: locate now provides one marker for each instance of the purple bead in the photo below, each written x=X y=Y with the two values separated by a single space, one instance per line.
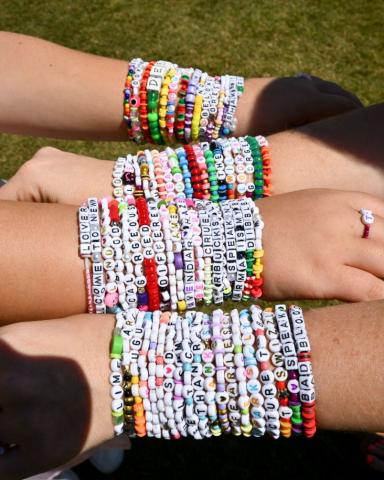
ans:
x=294 y=397
x=142 y=298
x=178 y=258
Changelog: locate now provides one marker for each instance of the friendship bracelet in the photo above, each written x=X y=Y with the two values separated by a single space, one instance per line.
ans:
x=202 y=375
x=161 y=99
x=306 y=379
x=160 y=254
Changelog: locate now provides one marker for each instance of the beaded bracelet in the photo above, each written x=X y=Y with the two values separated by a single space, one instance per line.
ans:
x=205 y=108
x=163 y=369
x=291 y=365
x=306 y=380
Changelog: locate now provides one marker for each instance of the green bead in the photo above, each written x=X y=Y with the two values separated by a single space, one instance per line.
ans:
x=238 y=349
x=117 y=420
x=296 y=408
x=152 y=96
x=116 y=346
x=297 y=421
x=152 y=117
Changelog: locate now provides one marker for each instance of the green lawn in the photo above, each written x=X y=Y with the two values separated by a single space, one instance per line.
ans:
x=337 y=40
x=342 y=41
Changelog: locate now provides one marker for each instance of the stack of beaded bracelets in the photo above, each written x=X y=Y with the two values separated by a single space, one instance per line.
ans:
x=198 y=375
x=221 y=170
x=169 y=255
x=164 y=103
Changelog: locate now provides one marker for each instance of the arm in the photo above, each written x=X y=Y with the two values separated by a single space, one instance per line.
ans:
x=347 y=354
x=343 y=153
x=77 y=95
x=312 y=242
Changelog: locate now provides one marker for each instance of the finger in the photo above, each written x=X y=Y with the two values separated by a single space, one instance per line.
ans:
x=354 y=285
x=335 y=89
x=370 y=202
x=8 y=191
x=376 y=233
x=368 y=255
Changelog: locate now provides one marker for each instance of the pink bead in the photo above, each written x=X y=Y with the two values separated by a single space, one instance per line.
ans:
x=111 y=299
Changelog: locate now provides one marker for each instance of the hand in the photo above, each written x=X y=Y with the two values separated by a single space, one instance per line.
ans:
x=313 y=246
x=270 y=105
x=54 y=176
x=54 y=392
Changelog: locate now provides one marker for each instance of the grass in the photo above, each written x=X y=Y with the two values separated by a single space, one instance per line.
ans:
x=340 y=40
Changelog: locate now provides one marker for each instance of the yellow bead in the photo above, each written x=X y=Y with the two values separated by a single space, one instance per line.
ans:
x=162 y=123
x=172 y=209
x=257 y=270
x=135 y=379
x=181 y=305
x=246 y=428
x=258 y=253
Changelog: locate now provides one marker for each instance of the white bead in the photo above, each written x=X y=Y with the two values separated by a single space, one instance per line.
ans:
x=256 y=399
x=117 y=392
x=115 y=365
x=118 y=429
x=117 y=405
x=308 y=396
x=115 y=378
x=257 y=412
x=293 y=386
x=266 y=376
x=271 y=403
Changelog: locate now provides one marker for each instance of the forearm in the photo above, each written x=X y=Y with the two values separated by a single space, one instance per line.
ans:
x=42 y=275
x=72 y=94
x=347 y=352
x=50 y=90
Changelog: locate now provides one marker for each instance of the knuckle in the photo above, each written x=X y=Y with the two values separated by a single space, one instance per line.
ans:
x=40 y=160
x=374 y=290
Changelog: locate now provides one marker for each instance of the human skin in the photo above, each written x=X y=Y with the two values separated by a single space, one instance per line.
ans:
x=312 y=239
x=343 y=153
x=347 y=354
x=77 y=95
